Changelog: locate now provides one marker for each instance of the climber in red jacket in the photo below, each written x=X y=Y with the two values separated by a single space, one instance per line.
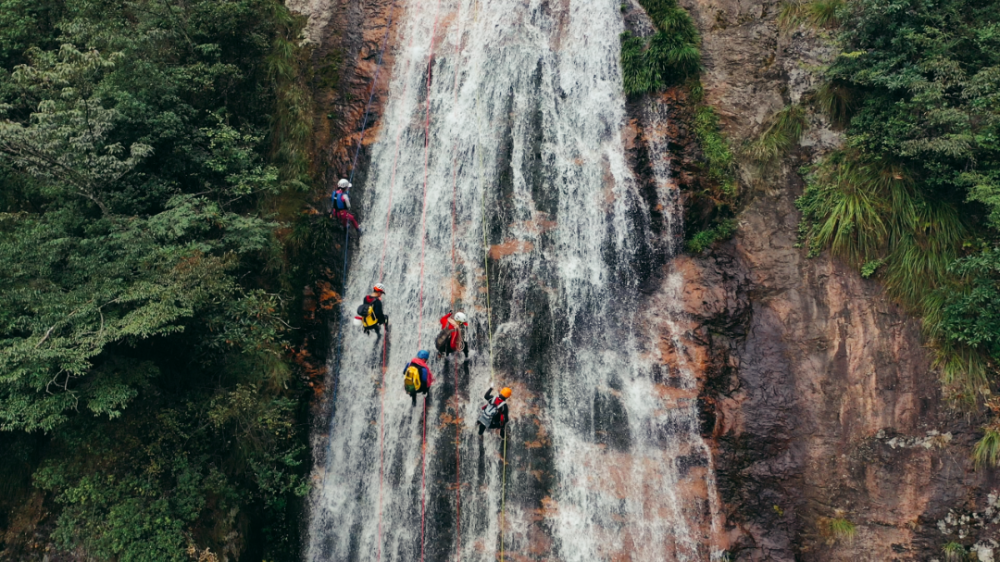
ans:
x=451 y=337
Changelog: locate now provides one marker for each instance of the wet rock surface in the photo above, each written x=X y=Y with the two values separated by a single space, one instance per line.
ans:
x=818 y=396
x=817 y=389
x=349 y=67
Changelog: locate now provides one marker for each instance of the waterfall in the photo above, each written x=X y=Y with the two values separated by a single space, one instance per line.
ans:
x=524 y=143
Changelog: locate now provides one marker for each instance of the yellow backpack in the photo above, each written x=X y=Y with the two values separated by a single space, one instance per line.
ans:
x=411 y=378
x=367 y=313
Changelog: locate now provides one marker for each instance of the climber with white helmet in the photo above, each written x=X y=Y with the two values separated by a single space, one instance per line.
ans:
x=370 y=312
x=340 y=206
x=451 y=338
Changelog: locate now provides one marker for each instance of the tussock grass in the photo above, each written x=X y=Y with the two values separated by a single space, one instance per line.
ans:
x=954 y=552
x=842 y=529
x=837 y=101
x=987 y=450
x=846 y=206
x=783 y=131
x=817 y=14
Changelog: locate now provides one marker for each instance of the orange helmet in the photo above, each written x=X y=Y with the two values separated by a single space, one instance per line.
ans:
x=505 y=392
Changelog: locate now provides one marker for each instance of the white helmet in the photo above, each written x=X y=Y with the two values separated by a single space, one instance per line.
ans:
x=343 y=183
x=379 y=288
x=460 y=317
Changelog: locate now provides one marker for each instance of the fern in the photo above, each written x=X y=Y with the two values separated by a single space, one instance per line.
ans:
x=669 y=57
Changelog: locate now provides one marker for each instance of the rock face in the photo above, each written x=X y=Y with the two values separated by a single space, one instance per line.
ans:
x=819 y=397
x=350 y=67
x=822 y=401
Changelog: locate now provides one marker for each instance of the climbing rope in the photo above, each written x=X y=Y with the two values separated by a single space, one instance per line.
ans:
x=503 y=490
x=385 y=241
x=454 y=262
x=347 y=229
x=420 y=300
x=489 y=317
x=371 y=93
x=423 y=483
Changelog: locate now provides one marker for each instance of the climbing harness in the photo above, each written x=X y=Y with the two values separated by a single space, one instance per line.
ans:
x=487 y=414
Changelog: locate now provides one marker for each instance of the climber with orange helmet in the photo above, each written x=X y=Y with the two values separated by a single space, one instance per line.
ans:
x=370 y=312
x=494 y=413
x=340 y=206
x=451 y=338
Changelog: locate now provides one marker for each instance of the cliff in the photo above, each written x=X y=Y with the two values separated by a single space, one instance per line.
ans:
x=819 y=394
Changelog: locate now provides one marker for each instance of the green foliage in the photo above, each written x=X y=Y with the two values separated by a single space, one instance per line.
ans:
x=836 y=101
x=782 y=132
x=141 y=326
x=916 y=88
x=667 y=58
x=973 y=315
x=718 y=168
x=23 y=24
x=704 y=239
x=870 y=267
x=954 y=552
x=842 y=529
x=715 y=147
x=137 y=490
x=816 y=13
x=987 y=450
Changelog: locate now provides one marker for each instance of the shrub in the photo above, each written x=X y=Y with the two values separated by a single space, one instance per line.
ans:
x=669 y=57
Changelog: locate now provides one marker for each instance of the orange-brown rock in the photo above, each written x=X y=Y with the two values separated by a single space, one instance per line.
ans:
x=817 y=388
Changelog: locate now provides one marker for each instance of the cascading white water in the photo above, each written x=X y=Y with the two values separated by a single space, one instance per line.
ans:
x=525 y=120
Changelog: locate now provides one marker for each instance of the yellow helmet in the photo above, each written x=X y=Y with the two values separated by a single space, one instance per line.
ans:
x=505 y=392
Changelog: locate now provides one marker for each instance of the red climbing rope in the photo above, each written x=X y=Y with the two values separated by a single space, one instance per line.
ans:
x=420 y=305
x=423 y=482
x=454 y=214
x=458 y=479
x=427 y=147
x=381 y=462
x=385 y=241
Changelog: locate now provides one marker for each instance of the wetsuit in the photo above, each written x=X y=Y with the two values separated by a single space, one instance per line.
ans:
x=500 y=418
x=426 y=378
